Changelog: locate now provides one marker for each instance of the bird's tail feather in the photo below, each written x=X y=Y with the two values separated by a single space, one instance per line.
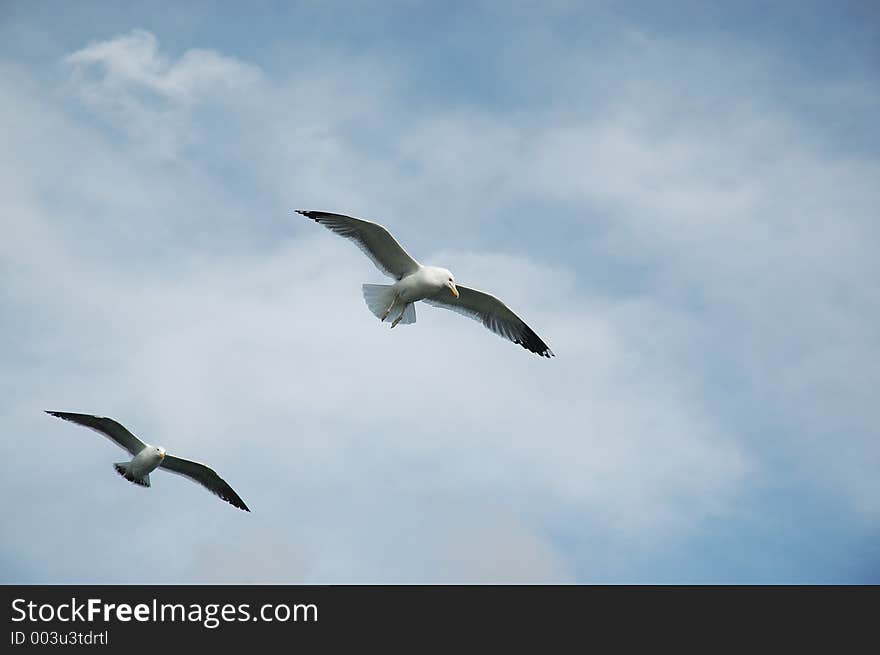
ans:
x=379 y=298
x=122 y=469
x=409 y=314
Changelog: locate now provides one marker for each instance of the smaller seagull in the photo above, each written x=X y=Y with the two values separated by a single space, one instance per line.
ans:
x=148 y=458
x=431 y=284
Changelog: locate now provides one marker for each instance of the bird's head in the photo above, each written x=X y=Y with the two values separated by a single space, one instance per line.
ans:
x=160 y=452
x=449 y=281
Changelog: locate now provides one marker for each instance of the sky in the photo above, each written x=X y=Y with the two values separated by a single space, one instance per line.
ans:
x=681 y=200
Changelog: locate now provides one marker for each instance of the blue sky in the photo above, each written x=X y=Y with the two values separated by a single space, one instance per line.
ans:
x=681 y=201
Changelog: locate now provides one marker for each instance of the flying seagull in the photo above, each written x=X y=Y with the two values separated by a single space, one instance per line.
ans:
x=436 y=286
x=148 y=458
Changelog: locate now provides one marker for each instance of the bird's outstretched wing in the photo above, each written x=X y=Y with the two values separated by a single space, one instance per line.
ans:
x=376 y=242
x=106 y=426
x=492 y=313
x=205 y=476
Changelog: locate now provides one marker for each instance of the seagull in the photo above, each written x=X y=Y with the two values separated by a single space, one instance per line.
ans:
x=148 y=458
x=436 y=286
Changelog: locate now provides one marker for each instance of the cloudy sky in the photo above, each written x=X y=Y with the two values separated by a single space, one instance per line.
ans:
x=682 y=200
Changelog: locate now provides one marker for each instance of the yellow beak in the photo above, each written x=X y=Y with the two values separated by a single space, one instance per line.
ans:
x=452 y=288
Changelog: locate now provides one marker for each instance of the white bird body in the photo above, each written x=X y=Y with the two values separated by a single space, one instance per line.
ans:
x=145 y=462
x=397 y=300
x=424 y=283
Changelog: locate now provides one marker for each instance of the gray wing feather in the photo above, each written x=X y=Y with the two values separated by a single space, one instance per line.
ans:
x=374 y=240
x=492 y=313
x=205 y=476
x=106 y=426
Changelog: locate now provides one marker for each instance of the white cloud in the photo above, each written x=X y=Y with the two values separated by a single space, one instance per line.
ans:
x=133 y=62
x=769 y=241
x=131 y=84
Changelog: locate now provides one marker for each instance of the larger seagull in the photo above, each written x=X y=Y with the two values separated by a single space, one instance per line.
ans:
x=414 y=282
x=147 y=458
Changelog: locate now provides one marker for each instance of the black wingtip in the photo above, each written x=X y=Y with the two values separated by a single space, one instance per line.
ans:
x=307 y=213
x=233 y=499
x=66 y=416
x=533 y=343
